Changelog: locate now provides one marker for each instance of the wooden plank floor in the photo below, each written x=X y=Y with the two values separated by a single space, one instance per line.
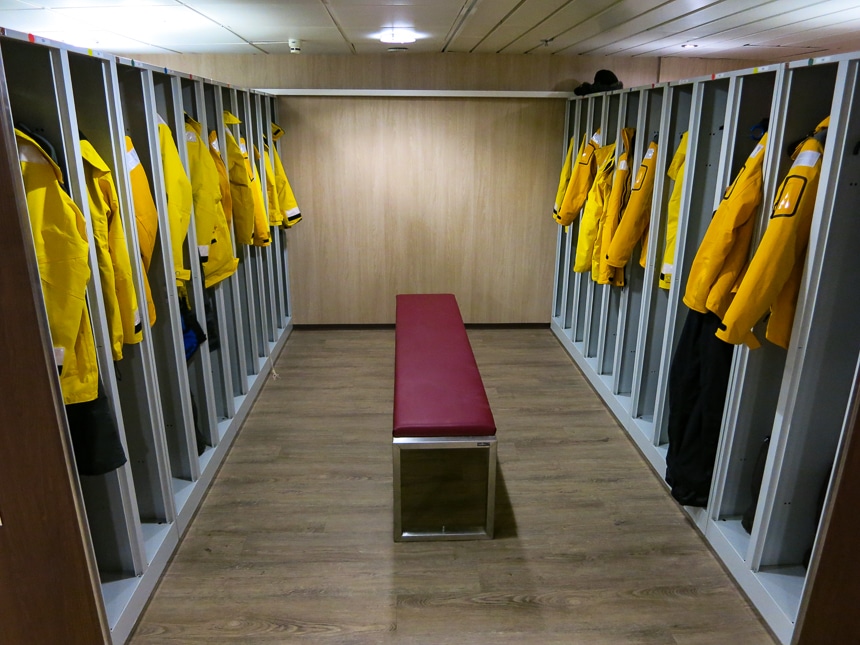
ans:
x=294 y=540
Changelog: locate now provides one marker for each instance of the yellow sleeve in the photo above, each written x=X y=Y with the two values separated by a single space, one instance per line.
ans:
x=261 y=220
x=276 y=215
x=177 y=187
x=240 y=191
x=564 y=179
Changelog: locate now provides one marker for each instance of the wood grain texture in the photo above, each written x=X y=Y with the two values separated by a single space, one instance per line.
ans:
x=675 y=68
x=412 y=71
x=293 y=542
x=422 y=196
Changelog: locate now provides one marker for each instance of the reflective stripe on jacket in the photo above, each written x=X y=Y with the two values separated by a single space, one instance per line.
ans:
x=724 y=250
x=581 y=177
x=177 y=188
x=676 y=174
x=595 y=204
x=60 y=240
x=637 y=214
x=213 y=236
x=145 y=216
x=773 y=277
x=118 y=293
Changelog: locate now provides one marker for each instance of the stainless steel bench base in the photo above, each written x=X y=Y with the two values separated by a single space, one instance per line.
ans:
x=486 y=445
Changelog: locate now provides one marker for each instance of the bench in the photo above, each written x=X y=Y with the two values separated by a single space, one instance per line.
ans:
x=443 y=427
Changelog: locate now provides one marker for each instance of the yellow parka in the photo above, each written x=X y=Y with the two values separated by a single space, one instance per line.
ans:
x=773 y=277
x=223 y=179
x=581 y=178
x=592 y=213
x=618 y=197
x=721 y=257
x=286 y=198
x=676 y=174
x=177 y=188
x=146 y=218
x=634 y=222
x=60 y=240
x=213 y=236
x=118 y=293
x=240 y=188
x=261 y=235
x=276 y=215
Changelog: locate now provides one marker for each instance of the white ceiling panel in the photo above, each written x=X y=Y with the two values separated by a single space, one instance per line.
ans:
x=754 y=29
x=105 y=41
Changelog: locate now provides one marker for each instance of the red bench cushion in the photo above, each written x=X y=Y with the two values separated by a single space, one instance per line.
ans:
x=438 y=390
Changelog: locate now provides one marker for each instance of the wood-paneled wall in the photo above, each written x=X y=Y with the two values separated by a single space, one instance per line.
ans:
x=422 y=195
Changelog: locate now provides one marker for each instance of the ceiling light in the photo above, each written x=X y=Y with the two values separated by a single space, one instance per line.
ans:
x=688 y=46
x=397 y=35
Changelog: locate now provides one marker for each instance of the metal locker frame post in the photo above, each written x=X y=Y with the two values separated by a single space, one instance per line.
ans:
x=201 y=371
x=561 y=234
x=569 y=233
x=233 y=297
x=285 y=254
x=220 y=359
x=278 y=308
x=246 y=302
x=630 y=305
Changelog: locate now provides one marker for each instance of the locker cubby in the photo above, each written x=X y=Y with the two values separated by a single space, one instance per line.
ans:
x=94 y=85
x=614 y=298
x=647 y=123
x=742 y=437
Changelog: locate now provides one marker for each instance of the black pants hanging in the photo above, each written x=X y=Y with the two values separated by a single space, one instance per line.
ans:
x=698 y=380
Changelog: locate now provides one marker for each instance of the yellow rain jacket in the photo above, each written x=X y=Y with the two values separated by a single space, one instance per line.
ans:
x=223 y=179
x=146 y=218
x=177 y=187
x=261 y=235
x=286 y=198
x=634 y=222
x=721 y=257
x=563 y=180
x=773 y=277
x=240 y=191
x=60 y=239
x=276 y=215
x=612 y=213
x=120 y=299
x=213 y=236
x=675 y=173
x=581 y=178
x=595 y=204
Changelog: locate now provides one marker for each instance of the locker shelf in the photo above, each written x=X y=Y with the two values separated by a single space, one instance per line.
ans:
x=154 y=537
x=735 y=534
x=785 y=586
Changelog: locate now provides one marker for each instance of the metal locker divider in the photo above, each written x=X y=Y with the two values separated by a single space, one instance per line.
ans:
x=279 y=308
x=95 y=88
x=217 y=296
x=647 y=122
x=655 y=301
x=561 y=237
x=611 y=300
x=755 y=95
x=577 y=130
x=40 y=93
x=266 y=255
x=256 y=252
x=816 y=385
x=231 y=293
x=279 y=146
x=200 y=372
x=247 y=293
x=595 y=303
x=144 y=98
x=580 y=282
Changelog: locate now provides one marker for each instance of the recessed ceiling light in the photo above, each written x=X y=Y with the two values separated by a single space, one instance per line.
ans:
x=398 y=49
x=688 y=46
x=397 y=35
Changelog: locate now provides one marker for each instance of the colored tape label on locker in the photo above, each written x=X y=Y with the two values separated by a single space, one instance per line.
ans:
x=31 y=38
